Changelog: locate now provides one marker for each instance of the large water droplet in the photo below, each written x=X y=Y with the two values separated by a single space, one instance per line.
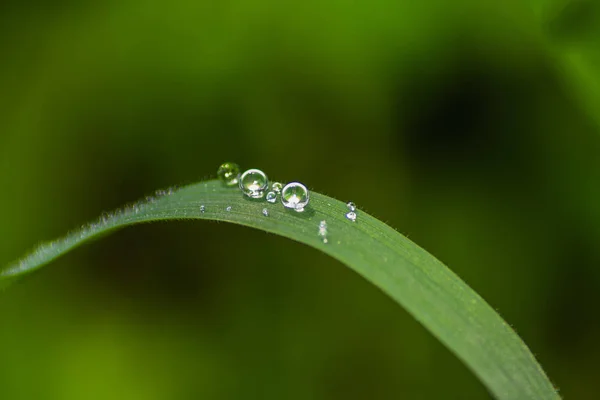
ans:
x=271 y=197
x=253 y=183
x=295 y=195
x=229 y=173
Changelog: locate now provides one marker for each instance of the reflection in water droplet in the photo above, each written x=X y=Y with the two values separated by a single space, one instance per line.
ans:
x=351 y=206
x=253 y=183
x=202 y=208
x=295 y=195
x=271 y=197
x=265 y=212
x=229 y=173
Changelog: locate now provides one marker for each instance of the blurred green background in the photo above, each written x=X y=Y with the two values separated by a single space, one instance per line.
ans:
x=470 y=126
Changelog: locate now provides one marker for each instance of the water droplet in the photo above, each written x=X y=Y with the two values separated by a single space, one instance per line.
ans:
x=265 y=212
x=276 y=187
x=253 y=183
x=323 y=231
x=351 y=206
x=271 y=197
x=228 y=173
x=351 y=215
x=202 y=208
x=295 y=195
x=228 y=208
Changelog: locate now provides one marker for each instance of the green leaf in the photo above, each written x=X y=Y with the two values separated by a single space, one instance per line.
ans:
x=432 y=293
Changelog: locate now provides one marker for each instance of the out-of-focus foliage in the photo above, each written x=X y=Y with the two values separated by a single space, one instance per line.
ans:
x=481 y=123
x=572 y=29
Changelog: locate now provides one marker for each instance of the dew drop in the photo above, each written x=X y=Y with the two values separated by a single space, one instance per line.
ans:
x=351 y=215
x=253 y=183
x=265 y=212
x=271 y=197
x=202 y=209
x=351 y=206
x=228 y=208
x=229 y=173
x=295 y=196
x=323 y=231
x=276 y=187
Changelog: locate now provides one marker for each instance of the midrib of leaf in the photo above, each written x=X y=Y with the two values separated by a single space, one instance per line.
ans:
x=427 y=289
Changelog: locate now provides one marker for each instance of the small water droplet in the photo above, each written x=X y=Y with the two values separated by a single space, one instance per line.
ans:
x=351 y=206
x=323 y=231
x=276 y=187
x=295 y=196
x=271 y=197
x=351 y=215
x=202 y=208
x=265 y=212
x=229 y=173
x=228 y=208
x=253 y=183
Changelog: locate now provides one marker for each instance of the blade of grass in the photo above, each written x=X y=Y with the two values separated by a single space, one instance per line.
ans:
x=433 y=294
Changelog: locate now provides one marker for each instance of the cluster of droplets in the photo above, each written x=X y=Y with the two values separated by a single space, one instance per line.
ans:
x=254 y=184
